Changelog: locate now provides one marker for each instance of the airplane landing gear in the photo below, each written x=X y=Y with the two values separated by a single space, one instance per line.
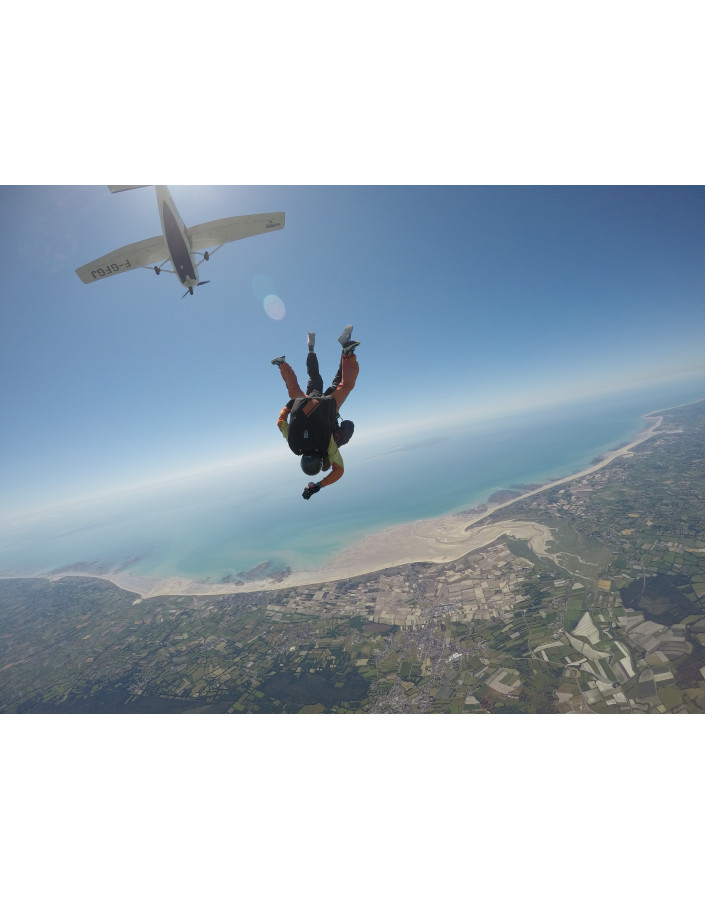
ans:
x=157 y=270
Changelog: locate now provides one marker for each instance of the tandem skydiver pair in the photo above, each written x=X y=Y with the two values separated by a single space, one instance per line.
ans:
x=310 y=421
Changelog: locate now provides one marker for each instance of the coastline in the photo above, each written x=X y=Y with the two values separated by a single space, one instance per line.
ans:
x=438 y=540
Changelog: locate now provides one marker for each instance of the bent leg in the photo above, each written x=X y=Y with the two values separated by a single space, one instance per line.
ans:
x=336 y=380
x=315 y=382
x=292 y=385
x=349 y=368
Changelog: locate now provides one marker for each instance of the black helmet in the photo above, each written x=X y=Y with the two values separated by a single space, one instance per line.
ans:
x=344 y=432
x=311 y=463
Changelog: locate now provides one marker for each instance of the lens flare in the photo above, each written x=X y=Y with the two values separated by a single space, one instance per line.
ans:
x=274 y=307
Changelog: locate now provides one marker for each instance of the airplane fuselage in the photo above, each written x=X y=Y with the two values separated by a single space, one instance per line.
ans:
x=186 y=248
x=176 y=238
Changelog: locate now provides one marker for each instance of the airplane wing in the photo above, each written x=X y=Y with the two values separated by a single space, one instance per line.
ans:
x=222 y=231
x=134 y=256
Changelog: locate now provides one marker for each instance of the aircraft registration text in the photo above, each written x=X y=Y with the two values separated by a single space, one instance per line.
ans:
x=111 y=269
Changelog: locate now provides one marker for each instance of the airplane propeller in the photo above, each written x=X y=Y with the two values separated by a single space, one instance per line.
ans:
x=190 y=290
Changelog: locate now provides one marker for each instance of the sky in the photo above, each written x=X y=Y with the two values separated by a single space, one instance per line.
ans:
x=505 y=222
x=469 y=302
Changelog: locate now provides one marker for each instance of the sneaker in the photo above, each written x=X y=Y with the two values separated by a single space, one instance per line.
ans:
x=279 y=360
x=350 y=347
x=345 y=336
x=311 y=340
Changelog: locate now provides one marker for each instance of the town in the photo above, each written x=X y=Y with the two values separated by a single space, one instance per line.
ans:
x=606 y=616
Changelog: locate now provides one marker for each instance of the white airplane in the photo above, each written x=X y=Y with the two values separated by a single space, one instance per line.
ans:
x=177 y=243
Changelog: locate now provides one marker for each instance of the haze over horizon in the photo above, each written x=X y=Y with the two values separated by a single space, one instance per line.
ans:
x=389 y=438
x=469 y=302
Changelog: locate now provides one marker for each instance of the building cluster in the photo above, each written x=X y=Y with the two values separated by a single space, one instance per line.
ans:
x=484 y=585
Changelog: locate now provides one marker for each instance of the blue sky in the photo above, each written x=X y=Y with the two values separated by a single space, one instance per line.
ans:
x=468 y=301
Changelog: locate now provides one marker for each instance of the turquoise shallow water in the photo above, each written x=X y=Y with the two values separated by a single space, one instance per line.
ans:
x=226 y=523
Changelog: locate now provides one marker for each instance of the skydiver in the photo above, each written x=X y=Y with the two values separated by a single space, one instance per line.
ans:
x=317 y=420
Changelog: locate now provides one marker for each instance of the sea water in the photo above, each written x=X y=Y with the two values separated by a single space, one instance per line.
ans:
x=227 y=523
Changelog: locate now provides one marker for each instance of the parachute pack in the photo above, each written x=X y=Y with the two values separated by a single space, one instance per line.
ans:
x=312 y=422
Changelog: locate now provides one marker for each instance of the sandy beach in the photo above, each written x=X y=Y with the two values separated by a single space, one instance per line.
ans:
x=428 y=540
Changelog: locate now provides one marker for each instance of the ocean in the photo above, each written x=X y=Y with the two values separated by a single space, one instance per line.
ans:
x=225 y=524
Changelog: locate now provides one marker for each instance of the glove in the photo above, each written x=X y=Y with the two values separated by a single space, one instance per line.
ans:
x=313 y=488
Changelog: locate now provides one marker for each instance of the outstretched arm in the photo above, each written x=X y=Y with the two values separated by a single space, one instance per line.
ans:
x=336 y=461
x=283 y=420
x=336 y=474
